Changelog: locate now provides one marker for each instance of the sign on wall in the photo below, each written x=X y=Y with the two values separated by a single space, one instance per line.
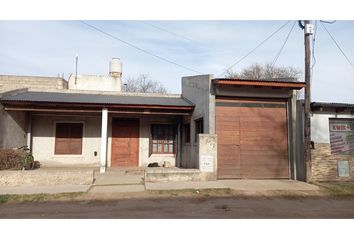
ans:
x=343 y=168
x=341 y=135
x=206 y=163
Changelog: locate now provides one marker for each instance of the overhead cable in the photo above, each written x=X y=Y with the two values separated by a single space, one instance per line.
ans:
x=336 y=43
x=283 y=45
x=139 y=48
x=260 y=44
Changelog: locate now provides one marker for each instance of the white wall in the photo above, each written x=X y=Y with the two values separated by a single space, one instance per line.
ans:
x=95 y=82
x=43 y=141
x=320 y=126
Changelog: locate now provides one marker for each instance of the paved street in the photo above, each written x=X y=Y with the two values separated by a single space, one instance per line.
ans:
x=191 y=207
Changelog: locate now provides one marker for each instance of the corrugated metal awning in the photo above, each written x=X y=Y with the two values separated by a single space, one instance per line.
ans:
x=94 y=99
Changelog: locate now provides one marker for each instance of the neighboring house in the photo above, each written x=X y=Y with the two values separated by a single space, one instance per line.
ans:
x=226 y=128
x=332 y=132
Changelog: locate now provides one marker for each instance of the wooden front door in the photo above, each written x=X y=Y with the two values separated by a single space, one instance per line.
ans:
x=125 y=143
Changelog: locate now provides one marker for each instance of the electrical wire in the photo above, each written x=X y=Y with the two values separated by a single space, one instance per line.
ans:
x=260 y=44
x=330 y=22
x=138 y=48
x=283 y=45
x=351 y=64
x=165 y=30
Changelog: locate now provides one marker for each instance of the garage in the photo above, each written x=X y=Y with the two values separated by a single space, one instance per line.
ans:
x=252 y=137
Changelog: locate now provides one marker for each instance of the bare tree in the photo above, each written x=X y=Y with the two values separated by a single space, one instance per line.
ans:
x=143 y=84
x=266 y=71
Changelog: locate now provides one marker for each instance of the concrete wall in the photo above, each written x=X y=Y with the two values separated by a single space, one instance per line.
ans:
x=43 y=140
x=320 y=126
x=198 y=89
x=207 y=155
x=9 y=82
x=13 y=125
x=13 y=128
x=95 y=82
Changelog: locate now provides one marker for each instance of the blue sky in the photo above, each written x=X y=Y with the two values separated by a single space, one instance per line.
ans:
x=48 y=48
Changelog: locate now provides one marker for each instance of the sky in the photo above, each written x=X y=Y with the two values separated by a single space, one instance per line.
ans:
x=48 y=48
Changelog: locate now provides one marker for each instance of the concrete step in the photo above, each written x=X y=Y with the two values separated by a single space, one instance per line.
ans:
x=160 y=174
x=119 y=177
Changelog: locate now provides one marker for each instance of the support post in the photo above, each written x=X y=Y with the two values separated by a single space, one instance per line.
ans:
x=29 y=132
x=104 y=124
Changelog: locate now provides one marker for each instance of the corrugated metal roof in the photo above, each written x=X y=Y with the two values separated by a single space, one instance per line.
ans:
x=332 y=105
x=276 y=82
x=56 y=97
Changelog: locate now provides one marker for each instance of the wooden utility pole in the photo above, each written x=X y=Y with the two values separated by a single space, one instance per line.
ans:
x=307 y=35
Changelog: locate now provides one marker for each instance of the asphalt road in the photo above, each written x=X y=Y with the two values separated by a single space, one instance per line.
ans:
x=215 y=207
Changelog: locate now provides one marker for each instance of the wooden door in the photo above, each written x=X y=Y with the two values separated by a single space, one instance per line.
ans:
x=252 y=139
x=125 y=143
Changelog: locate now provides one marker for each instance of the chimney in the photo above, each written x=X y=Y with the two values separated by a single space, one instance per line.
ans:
x=115 y=68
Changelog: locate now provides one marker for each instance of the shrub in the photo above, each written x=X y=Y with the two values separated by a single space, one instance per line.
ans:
x=15 y=159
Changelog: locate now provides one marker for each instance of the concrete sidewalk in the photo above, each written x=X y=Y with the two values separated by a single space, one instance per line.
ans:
x=238 y=185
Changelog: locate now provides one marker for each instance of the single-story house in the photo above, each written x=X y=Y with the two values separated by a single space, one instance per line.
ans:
x=227 y=128
x=332 y=130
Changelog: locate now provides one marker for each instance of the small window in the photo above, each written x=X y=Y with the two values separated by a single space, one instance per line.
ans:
x=68 y=138
x=199 y=128
x=187 y=133
x=163 y=139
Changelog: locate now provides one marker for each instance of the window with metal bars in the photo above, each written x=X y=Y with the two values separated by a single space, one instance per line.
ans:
x=163 y=139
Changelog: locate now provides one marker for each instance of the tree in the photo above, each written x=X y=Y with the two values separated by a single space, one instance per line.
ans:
x=143 y=84
x=266 y=71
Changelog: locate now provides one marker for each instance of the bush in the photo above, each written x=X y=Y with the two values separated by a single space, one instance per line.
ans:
x=16 y=159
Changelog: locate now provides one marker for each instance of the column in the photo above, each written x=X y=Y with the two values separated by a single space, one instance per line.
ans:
x=103 y=158
x=29 y=132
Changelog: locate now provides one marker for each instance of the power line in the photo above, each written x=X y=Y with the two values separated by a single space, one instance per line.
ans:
x=260 y=44
x=165 y=30
x=138 y=48
x=351 y=64
x=330 y=22
x=283 y=45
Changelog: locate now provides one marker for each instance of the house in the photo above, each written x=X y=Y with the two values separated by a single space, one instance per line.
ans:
x=332 y=133
x=224 y=128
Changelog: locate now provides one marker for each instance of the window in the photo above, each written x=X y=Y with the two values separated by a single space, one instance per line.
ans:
x=198 y=128
x=68 y=138
x=163 y=139
x=187 y=133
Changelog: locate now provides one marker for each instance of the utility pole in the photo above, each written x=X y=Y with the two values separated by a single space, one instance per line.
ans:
x=308 y=31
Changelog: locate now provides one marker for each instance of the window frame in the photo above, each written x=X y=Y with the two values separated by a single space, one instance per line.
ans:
x=55 y=154
x=164 y=141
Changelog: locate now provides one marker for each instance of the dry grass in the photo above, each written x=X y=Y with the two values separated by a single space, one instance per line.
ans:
x=337 y=189
x=39 y=197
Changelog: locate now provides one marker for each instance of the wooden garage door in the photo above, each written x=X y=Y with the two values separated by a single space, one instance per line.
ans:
x=252 y=139
x=125 y=143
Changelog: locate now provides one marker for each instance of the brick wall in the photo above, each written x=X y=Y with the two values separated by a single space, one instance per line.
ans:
x=324 y=164
x=9 y=82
